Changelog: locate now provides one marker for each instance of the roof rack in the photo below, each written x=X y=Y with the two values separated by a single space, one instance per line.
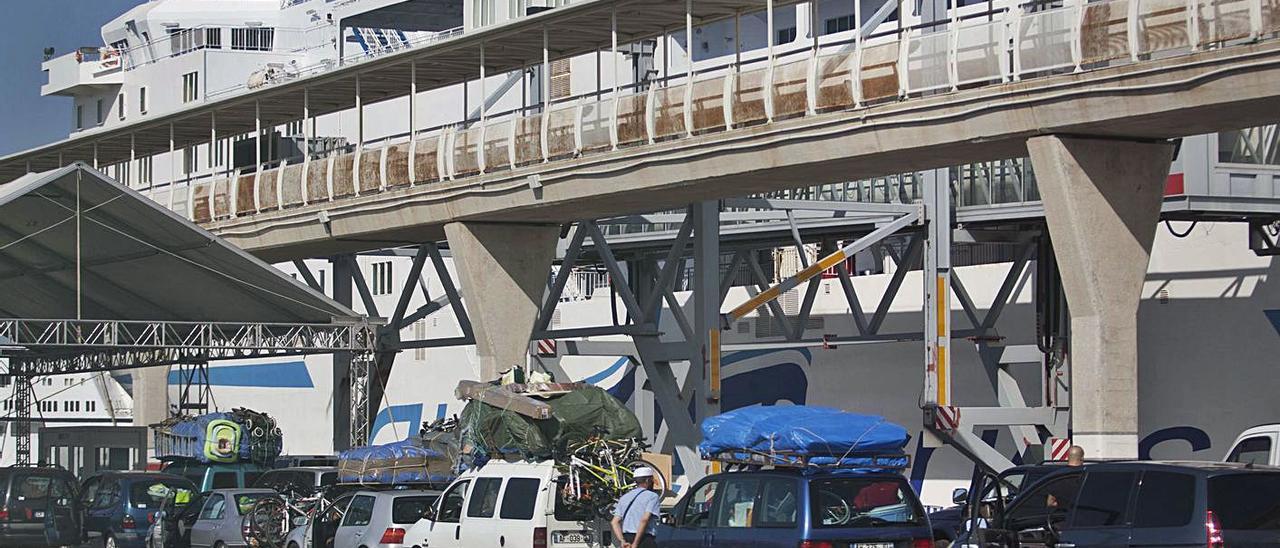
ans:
x=782 y=459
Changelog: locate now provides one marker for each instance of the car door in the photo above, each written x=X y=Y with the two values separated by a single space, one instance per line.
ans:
x=516 y=511
x=1031 y=519
x=208 y=524
x=692 y=521
x=777 y=513
x=480 y=523
x=321 y=530
x=88 y=494
x=734 y=513
x=1101 y=515
x=352 y=529
x=1164 y=509
x=62 y=520
x=446 y=529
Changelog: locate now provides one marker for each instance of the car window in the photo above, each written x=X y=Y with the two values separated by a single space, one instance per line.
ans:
x=89 y=491
x=451 y=503
x=224 y=480
x=108 y=494
x=778 y=503
x=520 y=498
x=697 y=509
x=337 y=509
x=359 y=512
x=1246 y=501
x=863 y=502
x=1104 y=499
x=150 y=493
x=1255 y=450
x=328 y=478
x=245 y=501
x=737 y=503
x=214 y=508
x=408 y=510
x=267 y=480
x=32 y=489
x=1165 y=499
x=1053 y=495
x=484 y=498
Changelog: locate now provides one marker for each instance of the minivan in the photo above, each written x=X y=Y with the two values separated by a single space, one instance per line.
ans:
x=38 y=507
x=1141 y=504
x=119 y=507
x=811 y=507
x=510 y=505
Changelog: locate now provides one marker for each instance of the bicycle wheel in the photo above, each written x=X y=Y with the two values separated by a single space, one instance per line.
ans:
x=269 y=522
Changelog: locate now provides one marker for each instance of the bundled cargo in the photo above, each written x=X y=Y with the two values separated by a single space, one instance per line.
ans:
x=804 y=436
x=538 y=422
x=429 y=459
x=241 y=435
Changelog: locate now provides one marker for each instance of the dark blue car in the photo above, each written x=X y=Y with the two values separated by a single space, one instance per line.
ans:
x=790 y=508
x=119 y=506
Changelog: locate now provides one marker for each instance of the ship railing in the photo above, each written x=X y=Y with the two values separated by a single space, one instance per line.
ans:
x=837 y=73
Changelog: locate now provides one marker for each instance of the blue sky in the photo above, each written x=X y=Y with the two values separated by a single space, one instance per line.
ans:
x=26 y=118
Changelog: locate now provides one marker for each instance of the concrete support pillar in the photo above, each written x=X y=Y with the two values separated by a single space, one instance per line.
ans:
x=1102 y=204
x=150 y=398
x=503 y=271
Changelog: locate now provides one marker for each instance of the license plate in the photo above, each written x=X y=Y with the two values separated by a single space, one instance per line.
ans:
x=38 y=514
x=873 y=545
x=570 y=537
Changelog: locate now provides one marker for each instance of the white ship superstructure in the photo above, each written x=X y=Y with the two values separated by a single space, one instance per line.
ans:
x=169 y=56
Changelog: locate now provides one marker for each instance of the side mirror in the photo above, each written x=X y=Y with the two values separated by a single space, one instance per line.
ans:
x=960 y=496
x=429 y=513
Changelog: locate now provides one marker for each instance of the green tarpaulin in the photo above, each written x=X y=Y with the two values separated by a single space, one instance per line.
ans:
x=576 y=416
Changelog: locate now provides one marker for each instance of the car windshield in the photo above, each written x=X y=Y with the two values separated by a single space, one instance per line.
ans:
x=862 y=502
x=245 y=501
x=151 y=493
x=1246 y=501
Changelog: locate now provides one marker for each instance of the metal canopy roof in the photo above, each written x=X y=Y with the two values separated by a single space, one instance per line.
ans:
x=129 y=258
x=574 y=29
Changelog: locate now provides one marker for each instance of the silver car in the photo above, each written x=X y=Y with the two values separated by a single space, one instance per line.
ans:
x=221 y=517
x=381 y=518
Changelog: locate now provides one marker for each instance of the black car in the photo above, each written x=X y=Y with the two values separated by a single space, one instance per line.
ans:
x=1140 y=504
x=38 y=507
x=948 y=523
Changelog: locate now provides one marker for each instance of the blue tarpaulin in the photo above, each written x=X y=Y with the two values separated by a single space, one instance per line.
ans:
x=400 y=462
x=814 y=435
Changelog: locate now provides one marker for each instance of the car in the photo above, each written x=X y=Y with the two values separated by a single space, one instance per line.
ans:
x=510 y=505
x=1257 y=445
x=1143 y=503
x=171 y=527
x=300 y=480
x=789 y=507
x=381 y=518
x=208 y=476
x=948 y=523
x=221 y=518
x=119 y=507
x=318 y=532
x=38 y=507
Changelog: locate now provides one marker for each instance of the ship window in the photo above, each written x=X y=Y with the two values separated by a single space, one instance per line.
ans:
x=839 y=24
x=253 y=39
x=120 y=106
x=142 y=100
x=213 y=38
x=190 y=89
x=787 y=35
x=101 y=114
x=79 y=116
x=382 y=278
x=189 y=160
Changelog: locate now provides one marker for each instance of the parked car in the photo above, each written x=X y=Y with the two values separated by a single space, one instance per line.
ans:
x=38 y=507
x=210 y=476
x=1139 y=504
x=306 y=479
x=790 y=507
x=948 y=523
x=510 y=505
x=1257 y=445
x=119 y=507
x=381 y=518
x=319 y=531
x=219 y=524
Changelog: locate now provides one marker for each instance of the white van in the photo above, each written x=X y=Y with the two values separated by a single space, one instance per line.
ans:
x=1257 y=445
x=507 y=505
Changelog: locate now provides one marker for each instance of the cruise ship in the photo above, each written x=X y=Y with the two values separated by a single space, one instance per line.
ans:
x=165 y=56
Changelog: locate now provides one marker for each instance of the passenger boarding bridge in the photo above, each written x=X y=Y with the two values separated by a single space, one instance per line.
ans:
x=1091 y=92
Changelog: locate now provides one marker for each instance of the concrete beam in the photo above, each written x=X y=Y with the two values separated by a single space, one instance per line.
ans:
x=1102 y=204
x=150 y=398
x=503 y=271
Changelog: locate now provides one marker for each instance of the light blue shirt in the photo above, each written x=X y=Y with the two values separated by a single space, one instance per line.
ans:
x=636 y=503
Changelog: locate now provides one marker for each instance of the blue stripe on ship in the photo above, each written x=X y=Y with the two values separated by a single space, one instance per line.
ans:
x=264 y=375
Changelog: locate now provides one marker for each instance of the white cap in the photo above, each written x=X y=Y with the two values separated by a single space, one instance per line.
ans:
x=642 y=472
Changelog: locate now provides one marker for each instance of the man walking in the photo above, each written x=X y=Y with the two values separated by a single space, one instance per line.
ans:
x=635 y=517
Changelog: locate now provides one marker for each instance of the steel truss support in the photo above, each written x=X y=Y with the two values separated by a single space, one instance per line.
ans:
x=22 y=401
x=194 y=394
